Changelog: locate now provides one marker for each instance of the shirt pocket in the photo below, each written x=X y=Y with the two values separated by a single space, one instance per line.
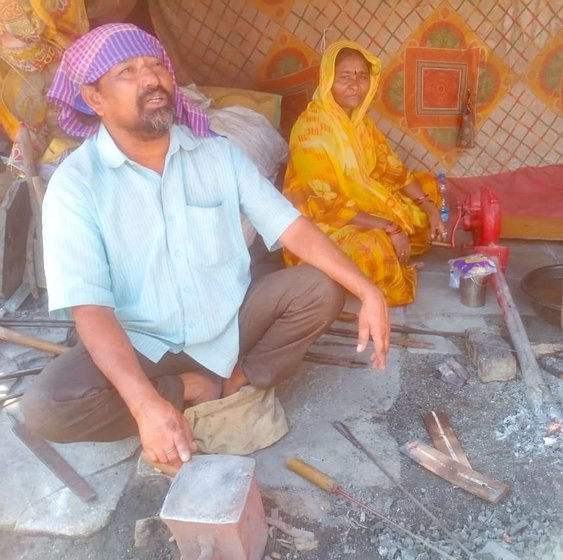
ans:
x=211 y=236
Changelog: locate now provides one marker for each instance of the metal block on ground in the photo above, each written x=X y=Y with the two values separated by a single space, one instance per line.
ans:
x=491 y=354
x=214 y=509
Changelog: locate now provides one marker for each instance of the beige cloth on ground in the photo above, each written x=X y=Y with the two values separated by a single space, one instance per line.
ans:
x=239 y=424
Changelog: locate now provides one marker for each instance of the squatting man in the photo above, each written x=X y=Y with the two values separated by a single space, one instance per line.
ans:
x=144 y=250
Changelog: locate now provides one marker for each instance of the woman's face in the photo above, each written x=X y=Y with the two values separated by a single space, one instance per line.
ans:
x=351 y=82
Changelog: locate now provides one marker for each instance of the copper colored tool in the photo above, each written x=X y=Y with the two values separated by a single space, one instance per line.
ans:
x=326 y=483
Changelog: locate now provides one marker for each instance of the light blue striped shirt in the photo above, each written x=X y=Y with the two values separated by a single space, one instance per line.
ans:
x=166 y=252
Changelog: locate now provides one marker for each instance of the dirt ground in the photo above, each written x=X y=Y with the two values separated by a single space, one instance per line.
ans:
x=497 y=433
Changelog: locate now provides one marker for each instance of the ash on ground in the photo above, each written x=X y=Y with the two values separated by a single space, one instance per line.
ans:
x=510 y=527
x=502 y=440
x=532 y=438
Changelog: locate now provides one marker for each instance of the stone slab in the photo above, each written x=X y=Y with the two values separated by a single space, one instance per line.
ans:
x=61 y=513
x=440 y=299
x=34 y=500
x=312 y=399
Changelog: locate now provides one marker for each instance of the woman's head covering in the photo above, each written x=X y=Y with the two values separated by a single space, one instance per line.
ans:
x=323 y=94
x=91 y=56
x=337 y=161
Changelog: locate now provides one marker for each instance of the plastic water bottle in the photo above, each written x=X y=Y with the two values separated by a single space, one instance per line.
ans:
x=444 y=207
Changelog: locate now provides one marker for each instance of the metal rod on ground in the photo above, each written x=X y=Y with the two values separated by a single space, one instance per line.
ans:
x=317 y=358
x=432 y=332
x=343 y=430
x=348 y=317
x=47 y=323
x=328 y=485
x=6 y=398
x=537 y=392
x=401 y=342
x=350 y=333
x=21 y=373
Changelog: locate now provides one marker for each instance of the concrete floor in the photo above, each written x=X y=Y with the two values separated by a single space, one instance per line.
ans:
x=33 y=500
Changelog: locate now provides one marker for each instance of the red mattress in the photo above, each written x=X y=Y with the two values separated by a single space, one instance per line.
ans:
x=531 y=200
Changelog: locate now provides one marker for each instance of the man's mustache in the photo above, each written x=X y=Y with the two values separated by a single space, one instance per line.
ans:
x=151 y=92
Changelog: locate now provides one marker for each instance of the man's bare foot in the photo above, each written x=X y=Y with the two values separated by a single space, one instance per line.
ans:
x=199 y=388
x=235 y=382
x=417 y=265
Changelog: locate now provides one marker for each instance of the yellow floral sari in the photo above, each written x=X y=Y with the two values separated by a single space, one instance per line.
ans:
x=342 y=165
x=33 y=36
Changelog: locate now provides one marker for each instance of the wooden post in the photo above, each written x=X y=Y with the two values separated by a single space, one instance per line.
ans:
x=36 y=191
x=538 y=394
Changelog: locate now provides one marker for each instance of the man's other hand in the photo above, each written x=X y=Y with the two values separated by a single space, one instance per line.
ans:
x=373 y=323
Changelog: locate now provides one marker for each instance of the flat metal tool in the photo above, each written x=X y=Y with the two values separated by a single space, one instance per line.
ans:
x=55 y=462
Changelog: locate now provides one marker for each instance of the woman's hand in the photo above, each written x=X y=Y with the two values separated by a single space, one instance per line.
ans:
x=419 y=197
x=402 y=245
x=437 y=227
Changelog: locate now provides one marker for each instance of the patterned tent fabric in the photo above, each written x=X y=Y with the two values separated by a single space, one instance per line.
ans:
x=509 y=54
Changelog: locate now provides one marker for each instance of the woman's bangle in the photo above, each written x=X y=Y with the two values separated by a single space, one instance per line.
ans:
x=420 y=200
x=392 y=229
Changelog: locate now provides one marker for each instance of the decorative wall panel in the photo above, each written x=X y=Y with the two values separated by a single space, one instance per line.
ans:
x=507 y=53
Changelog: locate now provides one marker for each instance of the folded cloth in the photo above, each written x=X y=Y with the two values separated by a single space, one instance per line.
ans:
x=239 y=424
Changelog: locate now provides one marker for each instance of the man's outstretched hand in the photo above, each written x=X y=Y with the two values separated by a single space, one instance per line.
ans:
x=373 y=323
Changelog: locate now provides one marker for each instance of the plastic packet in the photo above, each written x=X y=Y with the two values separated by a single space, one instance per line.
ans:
x=471 y=266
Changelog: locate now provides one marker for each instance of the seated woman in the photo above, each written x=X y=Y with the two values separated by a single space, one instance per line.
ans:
x=343 y=175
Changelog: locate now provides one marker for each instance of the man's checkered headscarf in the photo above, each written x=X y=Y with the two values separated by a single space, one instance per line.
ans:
x=91 y=56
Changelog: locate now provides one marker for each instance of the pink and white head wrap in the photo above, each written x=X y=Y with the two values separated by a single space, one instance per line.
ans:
x=91 y=56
